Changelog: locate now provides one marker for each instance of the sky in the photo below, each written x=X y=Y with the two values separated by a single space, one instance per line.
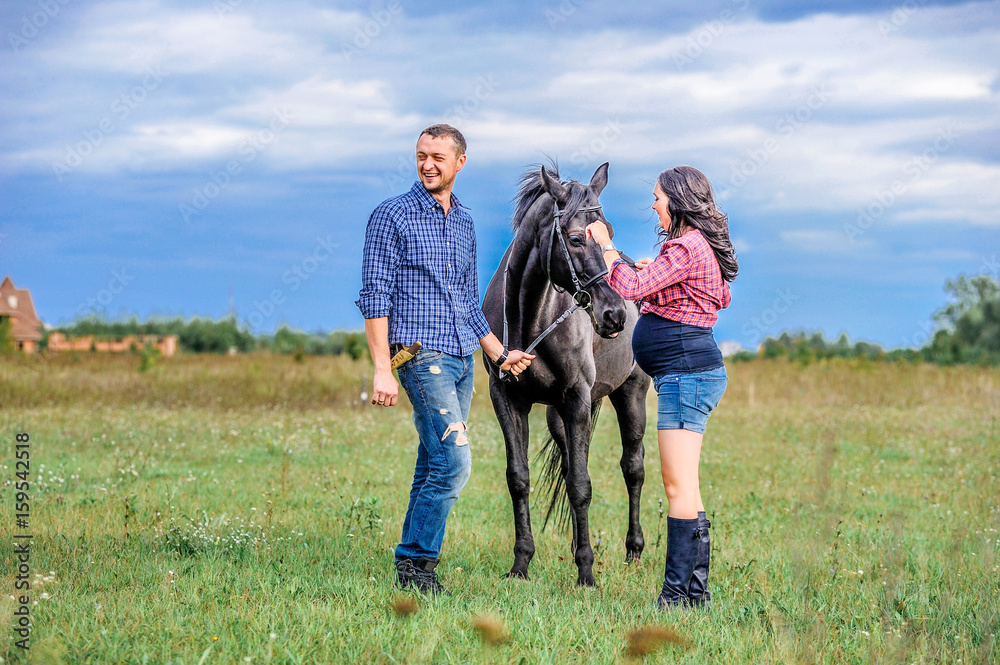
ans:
x=195 y=158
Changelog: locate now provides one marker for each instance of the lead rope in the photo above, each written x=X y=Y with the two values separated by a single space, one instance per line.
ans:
x=506 y=267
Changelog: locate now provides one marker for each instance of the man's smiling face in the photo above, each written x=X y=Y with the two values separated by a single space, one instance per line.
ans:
x=438 y=162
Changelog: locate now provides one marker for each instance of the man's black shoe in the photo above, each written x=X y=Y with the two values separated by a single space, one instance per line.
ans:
x=420 y=576
x=405 y=572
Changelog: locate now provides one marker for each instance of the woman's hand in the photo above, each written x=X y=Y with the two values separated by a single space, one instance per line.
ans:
x=642 y=263
x=599 y=232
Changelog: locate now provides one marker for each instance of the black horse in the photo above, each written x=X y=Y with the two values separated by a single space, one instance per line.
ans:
x=549 y=266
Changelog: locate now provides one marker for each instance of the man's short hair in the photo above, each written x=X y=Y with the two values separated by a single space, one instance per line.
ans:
x=447 y=130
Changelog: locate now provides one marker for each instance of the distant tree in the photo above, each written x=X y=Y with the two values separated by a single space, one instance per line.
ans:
x=207 y=336
x=7 y=344
x=970 y=323
x=805 y=348
x=868 y=350
x=842 y=349
x=195 y=336
x=355 y=345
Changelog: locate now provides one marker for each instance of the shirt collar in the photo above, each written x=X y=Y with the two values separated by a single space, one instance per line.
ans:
x=427 y=201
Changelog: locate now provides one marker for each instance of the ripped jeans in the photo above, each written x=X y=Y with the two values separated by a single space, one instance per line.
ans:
x=439 y=386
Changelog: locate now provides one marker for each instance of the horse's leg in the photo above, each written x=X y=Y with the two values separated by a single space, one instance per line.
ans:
x=558 y=431
x=514 y=424
x=629 y=400
x=575 y=412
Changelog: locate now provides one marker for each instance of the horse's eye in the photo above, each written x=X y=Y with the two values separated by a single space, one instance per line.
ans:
x=578 y=239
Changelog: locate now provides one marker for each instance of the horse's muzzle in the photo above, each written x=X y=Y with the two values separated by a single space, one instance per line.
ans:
x=610 y=323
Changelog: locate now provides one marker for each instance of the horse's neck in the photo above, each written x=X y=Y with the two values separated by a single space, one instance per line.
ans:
x=529 y=292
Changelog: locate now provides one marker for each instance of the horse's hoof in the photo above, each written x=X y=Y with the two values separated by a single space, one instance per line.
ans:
x=517 y=575
x=632 y=557
x=587 y=581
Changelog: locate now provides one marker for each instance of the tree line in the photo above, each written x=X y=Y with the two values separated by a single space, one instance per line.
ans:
x=200 y=335
x=968 y=332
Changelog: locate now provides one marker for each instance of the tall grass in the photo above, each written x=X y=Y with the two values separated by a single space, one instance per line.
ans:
x=854 y=506
x=218 y=382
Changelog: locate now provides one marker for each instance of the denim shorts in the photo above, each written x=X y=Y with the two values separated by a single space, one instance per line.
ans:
x=684 y=400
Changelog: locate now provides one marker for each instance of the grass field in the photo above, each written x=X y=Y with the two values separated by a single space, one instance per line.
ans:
x=244 y=510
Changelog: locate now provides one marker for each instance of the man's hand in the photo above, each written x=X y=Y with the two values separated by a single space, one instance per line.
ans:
x=517 y=361
x=642 y=263
x=385 y=389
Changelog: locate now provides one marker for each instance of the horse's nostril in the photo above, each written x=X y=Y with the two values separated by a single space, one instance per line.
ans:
x=614 y=320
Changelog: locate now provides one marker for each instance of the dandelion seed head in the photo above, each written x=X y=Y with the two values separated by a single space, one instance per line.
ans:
x=404 y=606
x=491 y=631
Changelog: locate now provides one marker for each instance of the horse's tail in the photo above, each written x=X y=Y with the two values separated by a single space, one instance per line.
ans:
x=554 y=474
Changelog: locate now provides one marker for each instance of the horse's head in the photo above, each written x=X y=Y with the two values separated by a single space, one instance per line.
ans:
x=573 y=263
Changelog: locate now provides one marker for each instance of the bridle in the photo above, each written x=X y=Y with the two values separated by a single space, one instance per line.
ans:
x=581 y=296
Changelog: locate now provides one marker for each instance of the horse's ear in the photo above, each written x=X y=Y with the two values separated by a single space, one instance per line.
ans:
x=600 y=179
x=554 y=188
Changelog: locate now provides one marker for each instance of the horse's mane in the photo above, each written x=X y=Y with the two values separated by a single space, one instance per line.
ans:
x=530 y=189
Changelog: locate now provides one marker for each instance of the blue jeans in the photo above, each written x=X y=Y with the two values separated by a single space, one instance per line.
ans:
x=439 y=387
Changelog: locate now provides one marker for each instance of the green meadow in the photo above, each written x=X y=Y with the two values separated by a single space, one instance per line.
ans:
x=217 y=509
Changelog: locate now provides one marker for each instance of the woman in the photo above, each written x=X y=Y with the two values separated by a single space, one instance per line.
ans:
x=680 y=292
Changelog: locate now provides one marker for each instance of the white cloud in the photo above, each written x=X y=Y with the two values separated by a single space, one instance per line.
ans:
x=824 y=113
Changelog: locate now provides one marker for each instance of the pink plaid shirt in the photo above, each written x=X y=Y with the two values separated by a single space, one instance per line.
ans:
x=684 y=283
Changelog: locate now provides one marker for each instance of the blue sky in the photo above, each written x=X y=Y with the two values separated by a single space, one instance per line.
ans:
x=156 y=155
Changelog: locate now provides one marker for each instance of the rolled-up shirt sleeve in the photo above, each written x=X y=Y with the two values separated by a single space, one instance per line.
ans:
x=477 y=320
x=379 y=264
x=670 y=267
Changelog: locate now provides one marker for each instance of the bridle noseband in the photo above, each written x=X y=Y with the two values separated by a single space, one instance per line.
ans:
x=581 y=296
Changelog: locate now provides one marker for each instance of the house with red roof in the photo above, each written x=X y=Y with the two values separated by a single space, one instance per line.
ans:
x=17 y=307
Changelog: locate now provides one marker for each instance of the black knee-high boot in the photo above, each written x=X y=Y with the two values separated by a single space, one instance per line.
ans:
x=682 y=553
x=698 y=590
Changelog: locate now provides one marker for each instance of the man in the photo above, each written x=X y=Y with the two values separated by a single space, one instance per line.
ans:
x=419 y=283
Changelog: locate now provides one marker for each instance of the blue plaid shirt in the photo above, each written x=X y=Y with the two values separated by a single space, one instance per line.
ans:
x=419 y=269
